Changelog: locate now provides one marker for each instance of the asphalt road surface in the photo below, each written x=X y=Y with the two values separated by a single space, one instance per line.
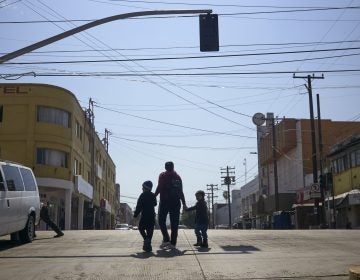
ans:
x=232 y=254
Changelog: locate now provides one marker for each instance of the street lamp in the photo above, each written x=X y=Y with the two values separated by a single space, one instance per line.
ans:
x=259 y=119
x=92 y=24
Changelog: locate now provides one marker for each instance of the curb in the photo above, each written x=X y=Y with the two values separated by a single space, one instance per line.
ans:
x=354 y=273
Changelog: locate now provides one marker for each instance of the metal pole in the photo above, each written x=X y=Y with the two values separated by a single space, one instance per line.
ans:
x=228 y=196
x=322 y=191
x=92 y=24
x=313 y=142
x=313 y=138
x=275 y=166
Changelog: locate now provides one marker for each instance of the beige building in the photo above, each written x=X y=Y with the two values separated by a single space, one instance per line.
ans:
x=45 y=128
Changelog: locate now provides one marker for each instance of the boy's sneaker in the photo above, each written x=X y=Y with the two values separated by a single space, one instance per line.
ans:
x=59 y=235
x=171 y=247
x=204 y=243
x=165 y=245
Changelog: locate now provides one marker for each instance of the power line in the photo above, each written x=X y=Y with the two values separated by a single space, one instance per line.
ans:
x=196 y=47
x=112 y=74
x=183 y=146
x=220 y=5
x=176 y=125
x=9 y=4
x=181 y=58
x=260 y=63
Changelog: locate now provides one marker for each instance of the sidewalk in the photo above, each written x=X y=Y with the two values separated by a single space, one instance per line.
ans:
x=233 y=254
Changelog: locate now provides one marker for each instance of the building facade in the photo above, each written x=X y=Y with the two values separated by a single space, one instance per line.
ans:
x=345 y=167
x=242 y=204
x=292 y=154
x=45 y=128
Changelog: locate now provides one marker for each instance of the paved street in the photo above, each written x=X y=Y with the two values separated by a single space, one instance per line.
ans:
x=233 y=254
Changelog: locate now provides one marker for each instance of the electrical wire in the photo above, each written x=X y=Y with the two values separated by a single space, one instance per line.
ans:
x=113 y=74
x=184 y=57
x=181 y=97
x=216 y=5
x=183 y=146
x=172 y=124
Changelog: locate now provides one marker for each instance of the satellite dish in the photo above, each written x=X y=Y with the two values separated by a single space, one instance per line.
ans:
x=258 y=119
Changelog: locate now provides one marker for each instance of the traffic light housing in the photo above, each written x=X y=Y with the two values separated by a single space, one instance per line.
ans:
x=209 y=33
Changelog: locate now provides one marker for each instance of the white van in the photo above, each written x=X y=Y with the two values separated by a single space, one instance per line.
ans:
x=19 y=201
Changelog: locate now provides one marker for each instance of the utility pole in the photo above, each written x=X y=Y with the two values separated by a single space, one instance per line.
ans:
x=276 y=181
x=91 y=119
x=322 y=190
x=313 y=138
x=208 y=196
x=92 y=139
x=228 y=180
x=106 y=139
x=212 y=188
x=244 y=163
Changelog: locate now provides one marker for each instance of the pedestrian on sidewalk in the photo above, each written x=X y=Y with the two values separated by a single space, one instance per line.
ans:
x=201 y=219
x=146 y=206
x=171 y=193
x=44 y=215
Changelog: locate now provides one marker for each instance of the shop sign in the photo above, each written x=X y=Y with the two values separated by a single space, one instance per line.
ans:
x=354 y=198
x=315 y=190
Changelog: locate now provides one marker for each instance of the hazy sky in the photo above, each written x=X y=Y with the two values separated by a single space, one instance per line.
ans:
x=162 y=109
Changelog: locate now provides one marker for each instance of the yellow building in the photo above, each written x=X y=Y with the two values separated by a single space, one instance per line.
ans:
x=45 y=128
x=345 y=166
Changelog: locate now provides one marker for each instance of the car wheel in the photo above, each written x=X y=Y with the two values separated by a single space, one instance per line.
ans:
x=27 y=234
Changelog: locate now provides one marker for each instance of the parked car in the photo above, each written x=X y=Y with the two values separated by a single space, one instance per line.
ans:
x=122 y=227
x=19 y=201
x=222 y=227
x=237 y=225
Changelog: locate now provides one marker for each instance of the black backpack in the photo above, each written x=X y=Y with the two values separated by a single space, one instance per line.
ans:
x=175 y=188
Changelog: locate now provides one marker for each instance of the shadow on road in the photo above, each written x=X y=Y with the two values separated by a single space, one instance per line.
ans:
x=160 y=254
x=7 y=244
x=239 y=248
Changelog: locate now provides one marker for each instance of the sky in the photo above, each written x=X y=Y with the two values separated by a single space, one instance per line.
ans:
x=164 y=100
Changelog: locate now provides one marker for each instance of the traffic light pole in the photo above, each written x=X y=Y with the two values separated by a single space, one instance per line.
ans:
x=92 y=24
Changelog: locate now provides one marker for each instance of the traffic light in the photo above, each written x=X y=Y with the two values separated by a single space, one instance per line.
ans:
x=209 y=33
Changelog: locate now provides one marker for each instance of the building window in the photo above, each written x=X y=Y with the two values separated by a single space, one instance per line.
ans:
x=53 y=115
x=77 y=167
x=1 y=112
x=51 y=157
x=78 y=130
x=355 y=158
x=334 y=166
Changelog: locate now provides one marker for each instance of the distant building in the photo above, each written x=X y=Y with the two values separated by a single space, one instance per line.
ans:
x=242 y=203
x=126 y=214
x=293 y=153
x=221 y=214
x=345 y=166
x=45 y=128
